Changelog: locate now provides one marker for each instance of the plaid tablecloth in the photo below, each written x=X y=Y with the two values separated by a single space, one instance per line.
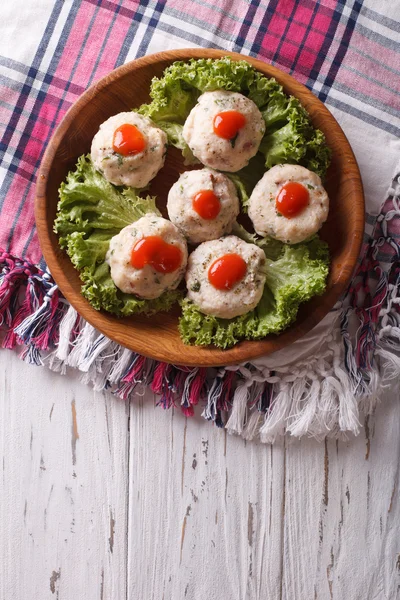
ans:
x=347 y=52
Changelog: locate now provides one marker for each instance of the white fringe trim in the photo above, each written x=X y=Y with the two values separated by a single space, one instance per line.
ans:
x=236 y=421
x=317 y=397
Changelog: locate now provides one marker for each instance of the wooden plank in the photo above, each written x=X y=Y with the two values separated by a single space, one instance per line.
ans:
x=342 y=513
x=358 y=555
x=205 y=515
x=212 y=516
x=305 y=498
x=64 y=500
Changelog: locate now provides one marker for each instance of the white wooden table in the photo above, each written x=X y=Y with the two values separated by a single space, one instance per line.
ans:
x=106 y=500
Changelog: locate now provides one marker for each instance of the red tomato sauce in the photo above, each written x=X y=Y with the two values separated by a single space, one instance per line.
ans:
x=206 y=204
x=292 y=199
x=154 y=251
x=226 y=271
x=228 y=123
x=128 y=140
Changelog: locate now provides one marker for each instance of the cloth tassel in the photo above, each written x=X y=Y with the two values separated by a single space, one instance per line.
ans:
x=236 y=421
x=267 y=393
x=11 y=338
x=224 y=402
x=99 y=369
x=376 y=386
x=47 y=336
x=390 y=337
x=348 y=407
x=14 y=274
x=389 y=333
x=275 y=418
x=197 y=386
x=57 y=360
x=349 y=354
x=100 y=345
x=41 y=327
x=366 y=342
x=55 y=364
x=133 y=375
x=211 y=410
x=81 y=346
x=253 y=421
x=304 y=402
x=66 y=328
x=31 y=355
x=252 y=426
x=218 y=399
x=163 y=385
x=120 y=364
x=186 y=385
x=390 y=365
x=158 y=379
x=327 y=412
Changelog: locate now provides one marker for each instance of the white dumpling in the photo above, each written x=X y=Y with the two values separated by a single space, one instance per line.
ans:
x=146 y=282
x=182 y=209
x=134 y=170
x=225 y=303
x=266 y=218
x=215 y=151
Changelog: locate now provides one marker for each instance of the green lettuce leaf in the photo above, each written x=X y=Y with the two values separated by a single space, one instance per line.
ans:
x=90 y=212
x=289 y=137
x=175 y=138
x=296 y=274
x=88 y=201
x=272 y=248
x=176 y=92
x=246 y=179
x=296 y=141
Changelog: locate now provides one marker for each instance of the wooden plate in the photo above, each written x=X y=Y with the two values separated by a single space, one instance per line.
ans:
x=157 y=337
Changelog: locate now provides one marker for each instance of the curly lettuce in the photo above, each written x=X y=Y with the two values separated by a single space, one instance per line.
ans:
x=90 y=212
x=295 y=141
x=294 y=275
x=289 y=137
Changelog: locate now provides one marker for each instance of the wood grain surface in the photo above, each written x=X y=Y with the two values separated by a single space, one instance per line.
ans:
x=157 y=337
x=106 y=500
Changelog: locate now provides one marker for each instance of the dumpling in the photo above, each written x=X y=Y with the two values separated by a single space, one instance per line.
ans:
x=224 y=130
x=129 y=149
x=203 y=204
x=148 y=257
x=289 y=203
x=225 y=277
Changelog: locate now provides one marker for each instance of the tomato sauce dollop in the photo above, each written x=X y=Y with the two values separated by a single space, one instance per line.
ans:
x=153 y=250
x=227 y=271
x=206 y=204
x=128 y=140
x=292 y=199
x=228 y=123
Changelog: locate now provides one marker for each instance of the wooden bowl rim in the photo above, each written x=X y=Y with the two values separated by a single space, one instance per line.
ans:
x=193 y=355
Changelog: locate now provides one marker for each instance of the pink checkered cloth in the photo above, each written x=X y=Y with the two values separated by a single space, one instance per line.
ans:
x=348 y=54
